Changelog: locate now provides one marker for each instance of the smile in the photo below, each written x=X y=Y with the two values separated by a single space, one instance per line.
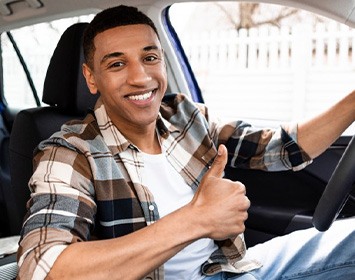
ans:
x=144 y=96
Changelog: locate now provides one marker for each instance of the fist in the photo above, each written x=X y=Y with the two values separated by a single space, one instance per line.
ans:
x=221 y=203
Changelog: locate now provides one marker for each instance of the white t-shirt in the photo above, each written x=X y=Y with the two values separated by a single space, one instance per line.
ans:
x=170 y=193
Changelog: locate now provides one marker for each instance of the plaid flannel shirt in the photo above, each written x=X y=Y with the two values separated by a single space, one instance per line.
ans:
x=87 y=180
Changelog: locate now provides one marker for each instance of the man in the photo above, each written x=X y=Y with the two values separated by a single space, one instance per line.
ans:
x=148 y=175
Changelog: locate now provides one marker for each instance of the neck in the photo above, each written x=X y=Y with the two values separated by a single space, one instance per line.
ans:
x=146 y=138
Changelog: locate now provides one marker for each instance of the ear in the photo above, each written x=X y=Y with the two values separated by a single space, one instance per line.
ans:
x=89 y=77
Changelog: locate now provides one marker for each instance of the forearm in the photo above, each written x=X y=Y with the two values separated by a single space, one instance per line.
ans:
x=129 y=257
x=317 y=134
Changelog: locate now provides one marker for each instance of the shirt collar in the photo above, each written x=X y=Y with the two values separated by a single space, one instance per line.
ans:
x=114 y=139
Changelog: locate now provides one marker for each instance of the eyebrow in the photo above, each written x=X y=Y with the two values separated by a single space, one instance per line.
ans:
x=118 y=54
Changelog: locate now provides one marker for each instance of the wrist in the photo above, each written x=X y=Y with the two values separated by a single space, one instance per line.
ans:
x=199 y=220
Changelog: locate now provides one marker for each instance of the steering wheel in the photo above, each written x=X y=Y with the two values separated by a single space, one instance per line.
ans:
x=337 y=190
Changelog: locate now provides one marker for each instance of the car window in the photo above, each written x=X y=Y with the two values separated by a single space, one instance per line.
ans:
x=265 y=63
x=36 y=44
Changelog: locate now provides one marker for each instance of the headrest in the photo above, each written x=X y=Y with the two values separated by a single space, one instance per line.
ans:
x=64 y=85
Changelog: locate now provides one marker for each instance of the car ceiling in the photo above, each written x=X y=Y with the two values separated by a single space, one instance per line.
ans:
x=17 y=13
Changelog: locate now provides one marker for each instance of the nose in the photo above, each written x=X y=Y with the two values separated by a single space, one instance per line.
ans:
x=138 y=74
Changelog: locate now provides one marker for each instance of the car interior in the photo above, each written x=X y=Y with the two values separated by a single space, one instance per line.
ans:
x=285 y=203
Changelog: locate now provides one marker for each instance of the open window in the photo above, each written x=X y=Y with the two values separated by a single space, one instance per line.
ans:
x=265 y=63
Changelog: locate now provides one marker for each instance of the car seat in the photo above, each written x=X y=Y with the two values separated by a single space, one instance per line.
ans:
x=6 y=195
x=66 y=93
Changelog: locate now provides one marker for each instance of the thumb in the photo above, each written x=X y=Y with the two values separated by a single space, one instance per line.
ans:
x=219 y=162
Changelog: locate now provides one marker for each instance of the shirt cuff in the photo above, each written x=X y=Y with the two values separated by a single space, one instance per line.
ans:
x=298 y=158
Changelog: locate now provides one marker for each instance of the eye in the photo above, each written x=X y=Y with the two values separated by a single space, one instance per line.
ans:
x=116 y=64
x=151 y=58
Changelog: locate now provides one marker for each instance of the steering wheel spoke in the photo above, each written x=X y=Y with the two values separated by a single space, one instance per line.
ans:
x=337 y=190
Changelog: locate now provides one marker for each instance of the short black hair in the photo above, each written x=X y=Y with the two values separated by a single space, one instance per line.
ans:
x=109 y=18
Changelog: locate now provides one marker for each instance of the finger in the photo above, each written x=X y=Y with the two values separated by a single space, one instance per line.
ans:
x=246 y=203
x=219 y=162
x=241 y=187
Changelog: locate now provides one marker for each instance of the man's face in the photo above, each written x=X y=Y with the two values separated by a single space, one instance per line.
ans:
x=129 y=72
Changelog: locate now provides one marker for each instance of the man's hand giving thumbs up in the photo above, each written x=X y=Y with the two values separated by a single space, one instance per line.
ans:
x=221 y=203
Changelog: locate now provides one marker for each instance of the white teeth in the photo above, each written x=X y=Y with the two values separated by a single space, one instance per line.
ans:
x=144 y=96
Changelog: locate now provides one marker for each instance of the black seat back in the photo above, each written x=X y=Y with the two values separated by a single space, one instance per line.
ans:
x=66 y=93
x=6 y=195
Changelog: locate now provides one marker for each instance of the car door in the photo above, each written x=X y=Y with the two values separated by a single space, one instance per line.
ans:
x=269 y=75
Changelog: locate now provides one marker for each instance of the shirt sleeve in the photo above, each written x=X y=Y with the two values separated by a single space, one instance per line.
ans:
x=261 y=148
x=60 y=211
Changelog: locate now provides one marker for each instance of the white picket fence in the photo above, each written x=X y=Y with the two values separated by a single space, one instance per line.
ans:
x=328 y=45
x=292 y=72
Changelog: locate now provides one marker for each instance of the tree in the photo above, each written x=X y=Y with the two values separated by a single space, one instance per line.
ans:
x=248 y=15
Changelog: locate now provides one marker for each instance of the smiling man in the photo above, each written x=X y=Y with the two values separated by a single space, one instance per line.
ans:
x=129 y=72
x=135 y=190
